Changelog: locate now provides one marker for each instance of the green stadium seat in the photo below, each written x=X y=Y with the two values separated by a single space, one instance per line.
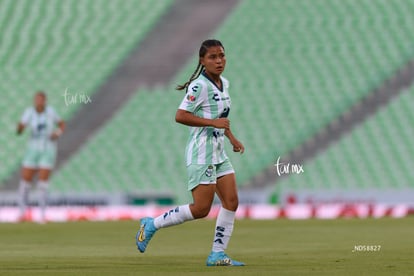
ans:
x=376 y=154
x=62 y=44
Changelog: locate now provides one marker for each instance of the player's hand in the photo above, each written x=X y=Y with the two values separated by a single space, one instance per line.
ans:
x=221 y=123
x=237 y=146
x=55 y=135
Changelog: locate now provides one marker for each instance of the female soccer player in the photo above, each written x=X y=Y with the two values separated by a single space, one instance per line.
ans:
x=205 y=109
x=41 y=151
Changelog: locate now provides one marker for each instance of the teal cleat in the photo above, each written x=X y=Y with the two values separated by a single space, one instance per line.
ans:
x=221 y=259
x=145 y=233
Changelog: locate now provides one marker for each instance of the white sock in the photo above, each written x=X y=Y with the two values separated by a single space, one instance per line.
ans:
x=224 y=228
x=43 y=187
x=173 y=217
x=24 y=188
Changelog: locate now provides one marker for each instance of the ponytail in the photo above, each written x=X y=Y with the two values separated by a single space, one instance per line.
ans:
x=195 y=75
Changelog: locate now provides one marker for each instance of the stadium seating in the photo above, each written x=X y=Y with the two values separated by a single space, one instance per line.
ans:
x=59 y=45
x=293 y=67
x=378 y=153
x=296 y=65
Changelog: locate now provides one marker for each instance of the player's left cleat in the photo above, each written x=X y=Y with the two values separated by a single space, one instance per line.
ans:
x=145 y=233
x=221 y=259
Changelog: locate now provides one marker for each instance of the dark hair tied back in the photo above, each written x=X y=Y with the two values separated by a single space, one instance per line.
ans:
x=201 y=53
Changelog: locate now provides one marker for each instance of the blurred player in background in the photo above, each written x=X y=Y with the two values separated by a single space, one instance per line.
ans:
x=205 y=109
x=45 y=127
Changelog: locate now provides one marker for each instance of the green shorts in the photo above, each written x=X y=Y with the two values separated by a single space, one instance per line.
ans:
x=36 y=158
x=207 y=174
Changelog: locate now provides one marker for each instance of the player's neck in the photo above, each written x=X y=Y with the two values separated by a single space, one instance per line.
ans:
x=215 y=78
x=40 y=109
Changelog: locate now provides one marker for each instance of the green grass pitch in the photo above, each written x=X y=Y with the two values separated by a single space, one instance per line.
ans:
x=277 y=247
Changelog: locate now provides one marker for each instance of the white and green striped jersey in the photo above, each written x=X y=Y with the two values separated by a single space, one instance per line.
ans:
x=41 y=126
x=204 y=99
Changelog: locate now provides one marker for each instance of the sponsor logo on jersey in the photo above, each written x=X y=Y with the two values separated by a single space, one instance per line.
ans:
x=217 y=98
x=191 y=98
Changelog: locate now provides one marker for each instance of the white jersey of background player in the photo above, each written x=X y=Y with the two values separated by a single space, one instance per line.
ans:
x=40 y=156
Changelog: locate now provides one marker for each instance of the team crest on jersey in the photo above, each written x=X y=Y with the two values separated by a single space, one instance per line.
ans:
x=209 y=171
x=191 y=98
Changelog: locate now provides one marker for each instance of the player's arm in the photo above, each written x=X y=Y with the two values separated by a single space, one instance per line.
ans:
x=59 y=131
x=20 y=128
x=194 y=99
x=24 y=120
x=189 y=119
x=237 y=145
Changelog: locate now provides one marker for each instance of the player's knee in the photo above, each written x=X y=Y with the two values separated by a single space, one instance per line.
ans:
x=204 y=212
x=201 y=211
x=27 y=175
x=231 y=203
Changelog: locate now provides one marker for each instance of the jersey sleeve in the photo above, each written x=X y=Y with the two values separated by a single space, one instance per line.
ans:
x=196 y=95
x=26 y=116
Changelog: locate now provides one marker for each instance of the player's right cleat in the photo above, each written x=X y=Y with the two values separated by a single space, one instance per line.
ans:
x=221 y=259
x=145 y=233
